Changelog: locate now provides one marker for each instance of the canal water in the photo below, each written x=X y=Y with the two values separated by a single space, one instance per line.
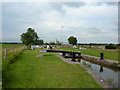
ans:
x=107 y=74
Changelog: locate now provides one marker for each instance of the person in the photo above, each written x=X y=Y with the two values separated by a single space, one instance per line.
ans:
x=48 y=47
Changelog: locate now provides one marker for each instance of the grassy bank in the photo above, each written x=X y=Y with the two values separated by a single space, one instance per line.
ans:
x=95 y=52
x=48 y=71
x=12 y=53
x=10 y=45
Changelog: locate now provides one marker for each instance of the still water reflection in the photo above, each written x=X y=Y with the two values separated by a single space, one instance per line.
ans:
x=107 y=74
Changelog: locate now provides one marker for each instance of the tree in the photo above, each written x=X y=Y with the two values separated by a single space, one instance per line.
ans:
x=29 y=37
x=72 y=40
x=110 y=47
x=52 y=43
x=46 y=43
x=39 y=42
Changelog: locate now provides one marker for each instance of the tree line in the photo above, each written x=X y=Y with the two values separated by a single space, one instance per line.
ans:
x=31 y=37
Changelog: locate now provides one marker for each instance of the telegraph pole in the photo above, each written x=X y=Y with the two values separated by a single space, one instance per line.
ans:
x=61 y=35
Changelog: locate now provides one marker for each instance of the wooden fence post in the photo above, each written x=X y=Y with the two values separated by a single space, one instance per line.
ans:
x=5 y=54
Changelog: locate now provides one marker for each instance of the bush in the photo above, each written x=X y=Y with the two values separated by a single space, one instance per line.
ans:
x=110 y=47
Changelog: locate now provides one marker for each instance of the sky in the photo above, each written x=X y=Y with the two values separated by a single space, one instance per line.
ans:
x=89 y=22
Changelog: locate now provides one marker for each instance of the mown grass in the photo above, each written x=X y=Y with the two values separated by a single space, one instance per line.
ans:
x=95 y=52
x=10 y=45
x=48 y=71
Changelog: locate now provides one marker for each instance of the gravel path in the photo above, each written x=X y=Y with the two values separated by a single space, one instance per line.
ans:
x=95 y=76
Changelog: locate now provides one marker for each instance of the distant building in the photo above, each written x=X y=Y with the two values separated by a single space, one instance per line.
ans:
x=36 y=46
x=75 y=46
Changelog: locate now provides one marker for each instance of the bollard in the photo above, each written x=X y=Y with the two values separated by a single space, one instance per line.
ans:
x=5 y=54
x=101 y=55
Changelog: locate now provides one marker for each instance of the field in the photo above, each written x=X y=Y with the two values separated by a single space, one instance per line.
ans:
x=96 y=52
x=48 y=71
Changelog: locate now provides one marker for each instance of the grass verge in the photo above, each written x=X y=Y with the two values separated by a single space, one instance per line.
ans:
x=10 y=45
x=48 y=71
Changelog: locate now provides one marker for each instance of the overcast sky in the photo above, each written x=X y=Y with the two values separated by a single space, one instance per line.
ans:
x=88 y=21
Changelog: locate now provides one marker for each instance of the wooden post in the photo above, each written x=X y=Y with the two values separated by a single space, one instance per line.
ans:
x=5 y=54
x=73 y=56
x=79 y=54
x=63 y=54
x=70 y=54
x=79 y=60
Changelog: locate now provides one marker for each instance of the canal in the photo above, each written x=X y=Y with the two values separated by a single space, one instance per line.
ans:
x=109 y=75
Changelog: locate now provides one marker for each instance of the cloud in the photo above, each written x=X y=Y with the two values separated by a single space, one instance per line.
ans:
x=85 y=21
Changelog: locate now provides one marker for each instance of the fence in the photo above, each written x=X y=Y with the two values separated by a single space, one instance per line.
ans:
x=6 y=52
